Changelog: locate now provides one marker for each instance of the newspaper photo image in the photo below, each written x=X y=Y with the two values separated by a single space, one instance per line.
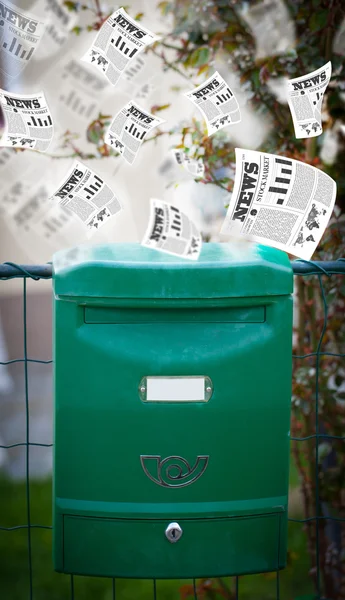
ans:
x=279 y=202
x=128 y=129
x=194 y=166
x=305 y=95
x=117 y=43
x=20 y=34
x=216 y=102
x=87 y=195
x=171 y=231
x=28 y=122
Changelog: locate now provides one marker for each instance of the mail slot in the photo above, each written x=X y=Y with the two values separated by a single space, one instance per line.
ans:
x=243 y=314
x=172 y=409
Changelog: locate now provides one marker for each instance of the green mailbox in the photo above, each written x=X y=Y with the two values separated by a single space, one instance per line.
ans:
x=172 y=411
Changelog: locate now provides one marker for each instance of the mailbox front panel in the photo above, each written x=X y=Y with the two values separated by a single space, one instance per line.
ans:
x=135 y=549
x=126 y=467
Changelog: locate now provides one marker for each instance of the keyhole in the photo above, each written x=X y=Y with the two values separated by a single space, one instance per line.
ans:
x=173 y=532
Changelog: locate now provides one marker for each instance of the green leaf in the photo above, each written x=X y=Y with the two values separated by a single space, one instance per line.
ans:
x=71 y=5
x=76 y=30
x=165 y=7
x=159 y=107
x=199 y=57
x=203 y=69
x=255 y=78
x=139 y=16
x=318 y=20
x=95 y=132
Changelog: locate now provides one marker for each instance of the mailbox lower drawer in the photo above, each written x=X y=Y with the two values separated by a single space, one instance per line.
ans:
x=140 y=549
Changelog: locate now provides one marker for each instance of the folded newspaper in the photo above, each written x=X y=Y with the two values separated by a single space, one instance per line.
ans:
x=12 y=166
x=118 y=41
x=145 y=91
x=79 y=89
x=20 y=34
x=305 y=95
x=28 y=122
x=279 y=202
x=171 y=231
x=193 y=166
x=216 y=102
x=24 y=202
x=14 y=197
x=86 y=194
x=271 y=26
x=41 y=226
x=59 y=22
x=128 y=129
x=35 y=214
x=18 y=183
x=138 y=79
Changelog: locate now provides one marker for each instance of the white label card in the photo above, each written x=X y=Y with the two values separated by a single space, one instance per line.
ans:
x=175 y=389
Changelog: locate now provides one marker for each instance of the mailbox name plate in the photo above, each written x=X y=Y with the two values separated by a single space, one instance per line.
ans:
x=176 y=389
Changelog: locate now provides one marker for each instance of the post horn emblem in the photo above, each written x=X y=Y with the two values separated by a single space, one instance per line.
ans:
x=173 y=471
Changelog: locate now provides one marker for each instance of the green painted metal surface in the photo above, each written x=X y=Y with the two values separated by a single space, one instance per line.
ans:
x=124 y=469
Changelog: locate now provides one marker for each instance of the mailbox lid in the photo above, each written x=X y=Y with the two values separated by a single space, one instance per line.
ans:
x=207 y=548
x=135 y=272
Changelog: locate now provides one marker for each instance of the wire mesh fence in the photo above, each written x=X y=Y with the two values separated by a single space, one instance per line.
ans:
x=315 y=518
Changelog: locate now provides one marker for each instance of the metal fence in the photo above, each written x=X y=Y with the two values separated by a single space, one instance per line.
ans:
x=195 y=588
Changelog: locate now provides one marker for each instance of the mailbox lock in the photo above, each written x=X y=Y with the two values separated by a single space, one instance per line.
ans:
x=173 y=532
x=143 y=389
